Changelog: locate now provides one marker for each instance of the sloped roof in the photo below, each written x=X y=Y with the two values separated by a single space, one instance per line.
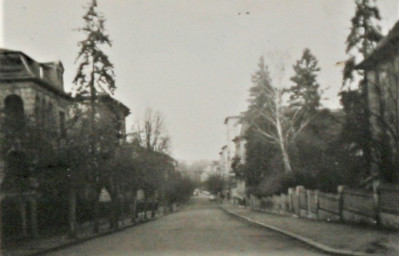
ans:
x=30 y=72
x=106 y=98
x=386 y=49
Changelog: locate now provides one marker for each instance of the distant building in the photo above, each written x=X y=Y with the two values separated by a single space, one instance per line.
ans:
x=231 y=151
x=211 y=169
x=239 y=160
x=233 y=126
x=224 y=162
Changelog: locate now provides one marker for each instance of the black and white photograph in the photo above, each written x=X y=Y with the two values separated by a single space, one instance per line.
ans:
x=199 y=127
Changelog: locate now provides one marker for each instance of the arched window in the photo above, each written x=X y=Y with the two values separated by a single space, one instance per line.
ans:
x=14 y=111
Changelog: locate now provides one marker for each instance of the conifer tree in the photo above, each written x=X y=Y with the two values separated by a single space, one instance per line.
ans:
x=361 y=41
x=271 y=118
x=95 y=71
x=305 y=91
x=95 y=75
x=365 y=33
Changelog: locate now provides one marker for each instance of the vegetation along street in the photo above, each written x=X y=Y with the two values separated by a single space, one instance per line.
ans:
x=199 y=127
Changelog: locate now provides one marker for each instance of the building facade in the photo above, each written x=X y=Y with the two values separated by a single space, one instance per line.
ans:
x=381 y=70
x=239 y=160
x=35 y=112
x=231 y=152
x=30 y=92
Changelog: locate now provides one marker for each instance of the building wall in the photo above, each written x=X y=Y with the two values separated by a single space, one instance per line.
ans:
x=233 y=127
x=30 y=93
x=383 y=93
x=40 y=87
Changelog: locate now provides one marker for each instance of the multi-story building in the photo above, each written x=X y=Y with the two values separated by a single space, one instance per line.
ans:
x=32 y=96
x=233 y=125
x=31 y=92
x=228 y=152
x=381 y=69
x=239 y=160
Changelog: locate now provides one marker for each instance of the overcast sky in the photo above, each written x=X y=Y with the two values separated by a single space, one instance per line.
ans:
x=190 y=59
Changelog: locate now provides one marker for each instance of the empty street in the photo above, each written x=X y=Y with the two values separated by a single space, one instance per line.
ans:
x=198 y=228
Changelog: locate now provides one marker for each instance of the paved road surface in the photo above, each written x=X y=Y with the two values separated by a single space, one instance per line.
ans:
x=199 y=228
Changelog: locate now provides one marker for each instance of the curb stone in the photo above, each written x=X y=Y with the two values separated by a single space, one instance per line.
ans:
x=310 y=242
x=77 y=241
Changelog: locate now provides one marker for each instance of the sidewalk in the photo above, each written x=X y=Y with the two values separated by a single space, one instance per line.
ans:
x=85 y=233
x=332 y=238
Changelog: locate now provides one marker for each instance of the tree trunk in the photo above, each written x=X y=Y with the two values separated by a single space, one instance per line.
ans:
x=122 y=205
x=134 y=208
x=72 y=212
x=145 y=207
x=23 y=215
x=282 y=139
x=96 y=213
x=33 y=217
x=286 y=159
x=153 y=204
x=367 y=150
x=115 y=209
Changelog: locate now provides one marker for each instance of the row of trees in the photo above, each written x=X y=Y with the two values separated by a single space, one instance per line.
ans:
x=292 y=141
x=71 y=170
x=70 y=178
x=143 y=163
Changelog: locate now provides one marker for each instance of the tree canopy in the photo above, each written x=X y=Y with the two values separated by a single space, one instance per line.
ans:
x=95 y=71
x=305 y=91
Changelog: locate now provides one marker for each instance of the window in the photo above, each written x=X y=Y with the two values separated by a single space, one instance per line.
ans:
x=50 y=116
x=37 y=110
x=62 y=124
x=14 y=112
x=43 y=111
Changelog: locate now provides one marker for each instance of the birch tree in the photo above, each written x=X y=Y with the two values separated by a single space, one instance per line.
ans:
x=278 y=122
x=268 y=115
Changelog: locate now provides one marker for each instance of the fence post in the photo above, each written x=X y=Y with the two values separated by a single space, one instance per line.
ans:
x=376 y=201
x=33 y=208
x=291 y=200
x=308 y=203
x=298 y=191
x=282 y=202
x=23 y=213
x=341 y=202
x=317 y=203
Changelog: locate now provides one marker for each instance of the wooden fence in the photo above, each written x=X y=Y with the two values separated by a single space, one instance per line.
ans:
x=379 y=206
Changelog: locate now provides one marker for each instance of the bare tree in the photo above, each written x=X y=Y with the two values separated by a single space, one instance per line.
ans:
x=151 y=132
